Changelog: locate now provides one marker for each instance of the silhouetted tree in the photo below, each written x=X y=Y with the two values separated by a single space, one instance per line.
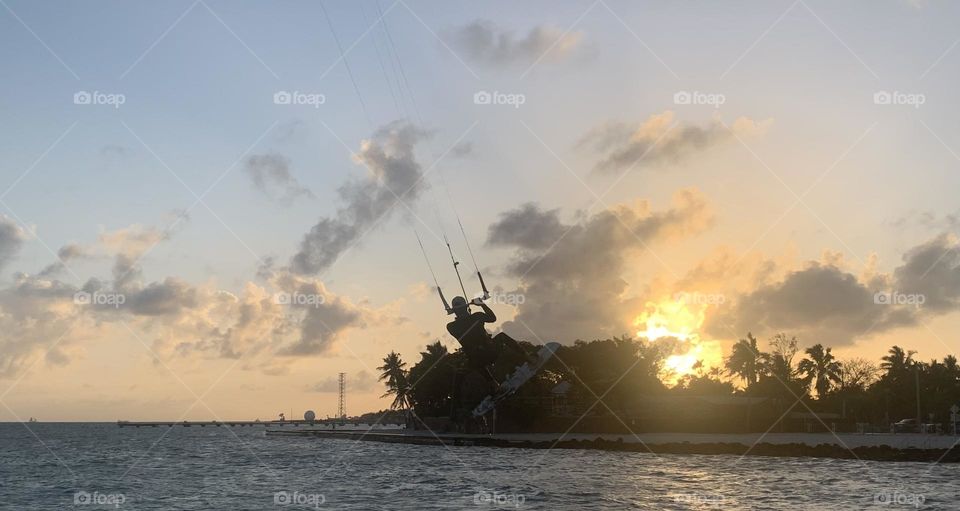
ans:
x=821 y=369
x=394 y=376
x=745 y=360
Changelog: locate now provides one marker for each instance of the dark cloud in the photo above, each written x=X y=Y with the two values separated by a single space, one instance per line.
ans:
x=462 y=150
x=572 y=286
x=290 y=131
x=485 y=43
x=271 y=175
x=161 y=298
x=527 y=227
x=389 y=156
x=657 y=140
x=66 y=254
x=36 y=315
x=824 y=303
x=933 y=270
x=11 y=239
x=321 y=326
x=821 y=303
x=929 y=219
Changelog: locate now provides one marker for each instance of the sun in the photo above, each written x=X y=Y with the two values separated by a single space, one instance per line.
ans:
x=676 y=320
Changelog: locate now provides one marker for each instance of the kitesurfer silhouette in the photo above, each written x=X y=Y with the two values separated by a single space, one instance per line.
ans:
x=481 y=349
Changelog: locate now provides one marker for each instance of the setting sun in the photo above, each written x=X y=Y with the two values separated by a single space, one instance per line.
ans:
x=680 y=321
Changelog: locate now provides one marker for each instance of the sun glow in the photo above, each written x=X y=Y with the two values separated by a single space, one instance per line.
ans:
x=679 y=322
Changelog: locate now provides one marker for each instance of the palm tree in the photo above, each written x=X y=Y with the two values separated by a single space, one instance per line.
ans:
x=821 y=368
x=394 y=373
x=950 y=362
x=745 y=360
x=897 y=361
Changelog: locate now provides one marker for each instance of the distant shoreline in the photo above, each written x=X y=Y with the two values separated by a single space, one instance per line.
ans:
x=874 y=447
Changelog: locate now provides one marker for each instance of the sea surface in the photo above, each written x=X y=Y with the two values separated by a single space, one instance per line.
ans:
x=102 y=466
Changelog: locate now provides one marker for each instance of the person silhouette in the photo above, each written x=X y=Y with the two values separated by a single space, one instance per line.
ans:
x=481 y=349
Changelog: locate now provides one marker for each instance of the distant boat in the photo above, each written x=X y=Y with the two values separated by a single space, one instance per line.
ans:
x=32 y=420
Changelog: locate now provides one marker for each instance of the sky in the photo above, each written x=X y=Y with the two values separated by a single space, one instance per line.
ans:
x=208 y=208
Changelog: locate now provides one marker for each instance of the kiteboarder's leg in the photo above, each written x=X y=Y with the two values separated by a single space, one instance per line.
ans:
x=505 y=342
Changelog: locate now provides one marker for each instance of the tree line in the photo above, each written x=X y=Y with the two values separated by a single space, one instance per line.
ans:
x=622 y=369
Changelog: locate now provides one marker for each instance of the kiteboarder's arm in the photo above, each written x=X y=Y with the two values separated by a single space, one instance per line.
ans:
x=488 y=315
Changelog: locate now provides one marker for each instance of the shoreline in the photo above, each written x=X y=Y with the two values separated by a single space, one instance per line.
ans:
x=873 y=447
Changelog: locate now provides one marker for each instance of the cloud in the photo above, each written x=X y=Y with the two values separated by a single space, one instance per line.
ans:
x=389 y=156
x=66 y=254
x=485 y=43
x=361 y=381
x=42 y=317
x=36 y=314
x=933 y=270
x=572 y=286
x=462 y=150
x=162 y=298
x=11 y=240
x=271 y=175
x=527 y=227
x=826 y=303
x=290 y=131
x=929 y=220
x=321 y=325
x=128 y=244
x=659 y=140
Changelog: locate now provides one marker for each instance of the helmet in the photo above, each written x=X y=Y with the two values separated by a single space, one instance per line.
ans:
x=458 y=302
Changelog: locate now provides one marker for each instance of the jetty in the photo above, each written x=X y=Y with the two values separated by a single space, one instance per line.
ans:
x=880 y=447
x=329 y=423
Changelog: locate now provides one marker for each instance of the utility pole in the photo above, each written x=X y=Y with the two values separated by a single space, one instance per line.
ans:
x=917 y=382
x=341 y=408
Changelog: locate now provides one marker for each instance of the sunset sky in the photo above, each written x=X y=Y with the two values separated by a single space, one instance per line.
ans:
x=814 y=165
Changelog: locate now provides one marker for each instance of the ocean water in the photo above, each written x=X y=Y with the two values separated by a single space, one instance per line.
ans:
x=101 y=466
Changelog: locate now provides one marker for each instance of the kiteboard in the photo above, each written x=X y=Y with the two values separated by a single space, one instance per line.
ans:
x=520 y=376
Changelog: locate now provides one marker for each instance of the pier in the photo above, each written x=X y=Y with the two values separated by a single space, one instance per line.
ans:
x=241 y=424
x=882 y=447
